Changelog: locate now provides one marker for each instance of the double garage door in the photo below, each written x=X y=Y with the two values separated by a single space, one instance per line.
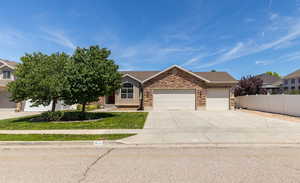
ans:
x=177 y=99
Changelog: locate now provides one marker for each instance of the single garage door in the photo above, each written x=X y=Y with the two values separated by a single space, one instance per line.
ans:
x=5 y=103
x=217 y=99
x=174 y=99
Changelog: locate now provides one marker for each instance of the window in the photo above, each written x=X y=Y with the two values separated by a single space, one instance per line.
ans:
x=286 y=82
x=293 y=88
x=6 y=75
x=127 y=91
x=298 y=80
x=293 y=81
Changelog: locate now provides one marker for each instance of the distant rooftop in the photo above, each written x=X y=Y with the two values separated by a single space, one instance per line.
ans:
x=268 y=79
x=295 y=74
x=8 y=62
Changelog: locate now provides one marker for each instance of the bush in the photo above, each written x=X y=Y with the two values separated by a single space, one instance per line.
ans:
x=77 y=116
x=294 y=92
x=89 y=107
x=52 y=116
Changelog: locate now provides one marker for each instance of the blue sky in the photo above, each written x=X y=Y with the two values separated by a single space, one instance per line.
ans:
x=240 y=37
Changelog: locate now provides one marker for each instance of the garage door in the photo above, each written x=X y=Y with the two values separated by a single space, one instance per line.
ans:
x=174 y=99
x=217 y=99
x=5 y=103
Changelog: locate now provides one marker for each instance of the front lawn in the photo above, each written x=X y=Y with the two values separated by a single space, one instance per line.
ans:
x=60 y=137
x=108 y=120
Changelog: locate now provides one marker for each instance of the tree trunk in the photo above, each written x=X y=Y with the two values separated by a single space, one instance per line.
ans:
x=54 y=102
x=83 y=107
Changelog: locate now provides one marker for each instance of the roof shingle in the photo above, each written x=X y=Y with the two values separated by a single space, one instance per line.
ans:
x=211 y=76
x=295 y=74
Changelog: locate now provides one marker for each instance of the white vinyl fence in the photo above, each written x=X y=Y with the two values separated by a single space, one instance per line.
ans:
x=283 y=104
x=59 y=106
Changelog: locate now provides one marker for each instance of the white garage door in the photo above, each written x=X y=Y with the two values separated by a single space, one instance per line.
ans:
x=217 y=99
x=174 y=99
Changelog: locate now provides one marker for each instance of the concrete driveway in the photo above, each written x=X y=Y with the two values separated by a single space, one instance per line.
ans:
x=5 y=114
x=213 y=120
x=215 y=127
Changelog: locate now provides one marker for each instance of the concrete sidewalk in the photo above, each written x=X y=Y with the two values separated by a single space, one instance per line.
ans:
x=81 y=132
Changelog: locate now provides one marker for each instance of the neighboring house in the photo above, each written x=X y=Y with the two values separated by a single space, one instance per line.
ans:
x=174 y=88
x=292 y=81
x=271 y=83
x=7 y=75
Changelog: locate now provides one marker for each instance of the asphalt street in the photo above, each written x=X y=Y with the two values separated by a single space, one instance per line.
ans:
x=145 y=165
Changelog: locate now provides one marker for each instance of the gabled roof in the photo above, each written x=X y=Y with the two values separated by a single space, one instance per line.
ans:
x=139 y=75
x=209 y=77
x=295 y=74
x=8 y=63
x=268 y=79
x=180 y=68
x=217 y=77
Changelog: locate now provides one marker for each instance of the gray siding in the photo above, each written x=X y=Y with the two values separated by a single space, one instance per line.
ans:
x=136 y=93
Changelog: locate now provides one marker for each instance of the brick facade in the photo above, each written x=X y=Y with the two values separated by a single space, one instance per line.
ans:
x=175 y=79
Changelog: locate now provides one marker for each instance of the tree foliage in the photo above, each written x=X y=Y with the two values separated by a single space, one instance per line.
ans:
x=40 y=78
x=273 y=74
x=90 y=74
x=249 y=85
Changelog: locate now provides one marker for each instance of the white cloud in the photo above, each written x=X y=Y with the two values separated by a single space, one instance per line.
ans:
x=290 y=57
x=59 y=38
x=252 y=46
x=201 y=56
x=273 y=16
x=11 y=37
x=182 y=49
x=248 y=20
x=262 y=62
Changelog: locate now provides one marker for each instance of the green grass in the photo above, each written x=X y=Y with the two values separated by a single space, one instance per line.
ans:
x=109 y=120
x=60 y=137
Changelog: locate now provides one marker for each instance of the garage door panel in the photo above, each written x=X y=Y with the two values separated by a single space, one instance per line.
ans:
x=5 y=102
x=174 y=99
x=217 y=99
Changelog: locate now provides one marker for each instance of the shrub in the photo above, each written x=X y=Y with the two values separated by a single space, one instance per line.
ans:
x=294 y=92
x=52 y=116
x=89 y=107
x=77 y=116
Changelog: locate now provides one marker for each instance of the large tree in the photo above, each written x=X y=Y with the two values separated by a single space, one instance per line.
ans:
x=40 y=78
x=249 y=85
x=91 y=74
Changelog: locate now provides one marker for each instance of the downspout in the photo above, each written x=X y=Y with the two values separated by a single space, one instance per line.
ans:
x=141 y=107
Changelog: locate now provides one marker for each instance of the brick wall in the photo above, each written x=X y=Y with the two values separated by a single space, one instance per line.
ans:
x=175 y=79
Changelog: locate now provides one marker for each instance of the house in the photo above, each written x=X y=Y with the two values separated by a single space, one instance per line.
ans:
x=271 y=83
x=6 y=75
x=291 y=82
x=174 y=88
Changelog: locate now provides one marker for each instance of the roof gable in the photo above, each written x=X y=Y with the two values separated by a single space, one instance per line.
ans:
x=178 y=67
x=209 y=77
x=7 y=63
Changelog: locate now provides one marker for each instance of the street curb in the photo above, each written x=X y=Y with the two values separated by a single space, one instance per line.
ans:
x=118 y=144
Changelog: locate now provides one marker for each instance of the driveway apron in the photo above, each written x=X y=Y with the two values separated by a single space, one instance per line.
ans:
x=214 y=127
